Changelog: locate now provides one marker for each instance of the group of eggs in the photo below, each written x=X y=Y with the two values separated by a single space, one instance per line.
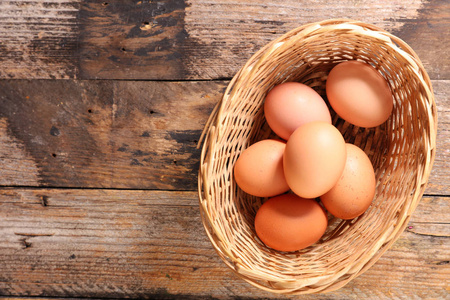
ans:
x=311 y=161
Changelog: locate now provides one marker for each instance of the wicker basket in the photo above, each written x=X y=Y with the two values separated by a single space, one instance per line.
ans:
x=402 y=151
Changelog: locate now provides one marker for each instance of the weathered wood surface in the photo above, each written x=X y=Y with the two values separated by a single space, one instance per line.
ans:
x=176 y=39
x=127 y=134
x=151 y=244
x=104 y=134
x=98 y=178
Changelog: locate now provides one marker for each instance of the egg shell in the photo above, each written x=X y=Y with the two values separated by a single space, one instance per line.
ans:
x=359 y=94
x=355 y=190
x=291 y=104
x=259 y=169
x=314 y=159
x=289 y=223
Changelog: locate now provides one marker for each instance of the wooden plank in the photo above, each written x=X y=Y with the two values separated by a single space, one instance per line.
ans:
x=104 y=134
x=176 y=39
x=122 y=134
x=39 y=39
x=151 y=244
x=225 y=35
x=439 y=182
x=132 y=39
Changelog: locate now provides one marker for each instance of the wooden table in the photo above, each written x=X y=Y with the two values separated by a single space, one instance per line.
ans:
x=101 y=107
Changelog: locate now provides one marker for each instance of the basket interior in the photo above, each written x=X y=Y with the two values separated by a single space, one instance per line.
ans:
x=398 y=150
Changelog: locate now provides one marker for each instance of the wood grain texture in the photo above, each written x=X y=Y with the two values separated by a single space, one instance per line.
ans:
x=439 y=182
x=226 y=33
x=122 y=134
x=151 y=244
x=98 y=178
x=132 y=39
x=15 y=160
x=39 y=39
x=196 y=39
x=138 y=135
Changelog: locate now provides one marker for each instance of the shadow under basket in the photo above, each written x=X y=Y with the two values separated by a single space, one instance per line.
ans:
x=401 y=150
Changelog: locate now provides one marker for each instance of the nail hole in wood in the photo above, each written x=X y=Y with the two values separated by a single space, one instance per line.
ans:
x=25 y=243
x=54 y=131
x=105 y=3
x=145 y=23
x=152 y=112
x=123 y=49
x=174 y=161
x=44 y=200
x=90 y=111
x=53 y=154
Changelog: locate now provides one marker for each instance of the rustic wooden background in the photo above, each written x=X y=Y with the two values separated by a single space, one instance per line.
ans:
x=101 y=107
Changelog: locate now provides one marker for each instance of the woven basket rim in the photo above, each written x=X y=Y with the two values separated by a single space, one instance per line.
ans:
x=214 y=128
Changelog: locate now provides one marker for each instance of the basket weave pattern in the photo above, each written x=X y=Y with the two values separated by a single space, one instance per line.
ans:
x=402 y=151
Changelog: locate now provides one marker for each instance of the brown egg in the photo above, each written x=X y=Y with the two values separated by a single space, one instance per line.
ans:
x=289 y=223
x=292 y=104
x=359 y=94
x=354 y=191
x=259 y=169
x=314 y=159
